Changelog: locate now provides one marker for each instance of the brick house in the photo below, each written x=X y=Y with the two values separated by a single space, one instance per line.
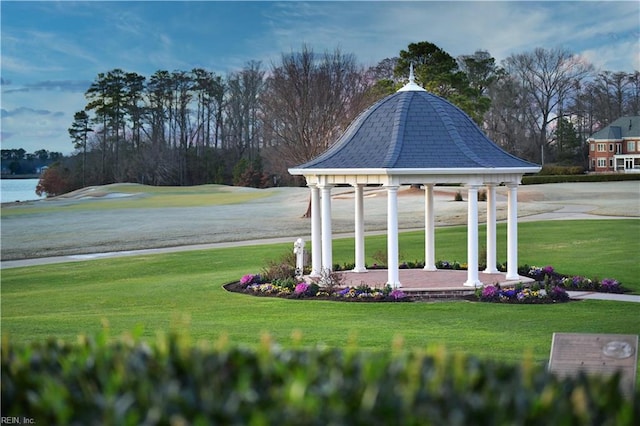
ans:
x=616 y=148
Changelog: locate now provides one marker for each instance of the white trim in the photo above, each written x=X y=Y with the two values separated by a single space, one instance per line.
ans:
x=422 y=172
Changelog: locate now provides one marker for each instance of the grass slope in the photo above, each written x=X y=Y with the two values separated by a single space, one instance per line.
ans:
x=184 y=291
x=126 y=196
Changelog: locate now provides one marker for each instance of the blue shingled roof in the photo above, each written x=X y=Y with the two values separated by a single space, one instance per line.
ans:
x=414 y=130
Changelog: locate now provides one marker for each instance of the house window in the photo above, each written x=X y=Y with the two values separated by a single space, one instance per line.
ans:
x=610 y=147
x=601 y=147
x=618 y=148
x=611 y=162
x=593 y=146
x=602 y=162
x=631 y=146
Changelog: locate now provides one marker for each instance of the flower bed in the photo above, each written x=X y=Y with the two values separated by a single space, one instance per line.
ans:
x=550 y=287
x=522 y=294
x=295 y=289
x=549 y=276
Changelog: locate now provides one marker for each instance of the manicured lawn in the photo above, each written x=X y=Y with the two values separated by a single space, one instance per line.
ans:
x=183 y=291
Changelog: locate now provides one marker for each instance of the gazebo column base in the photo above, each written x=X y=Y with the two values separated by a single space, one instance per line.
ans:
x=359 y=270
x=473 y=283
x=394 y=285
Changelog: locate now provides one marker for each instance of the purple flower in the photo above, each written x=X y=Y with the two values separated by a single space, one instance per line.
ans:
x=610 y=285
x=509 y=293
x=558 y=293
x=548 y=270
x=397 y=294
x=301 y=288
x=490 y=292
x=576 y=281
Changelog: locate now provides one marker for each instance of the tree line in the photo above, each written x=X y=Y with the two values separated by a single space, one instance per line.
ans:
x=17 y=162
x=196 y=127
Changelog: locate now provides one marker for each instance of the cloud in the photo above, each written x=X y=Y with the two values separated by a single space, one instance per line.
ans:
x=29 y=111
x=76 y=86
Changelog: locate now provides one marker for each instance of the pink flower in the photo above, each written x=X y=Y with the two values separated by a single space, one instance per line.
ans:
x=301 y=288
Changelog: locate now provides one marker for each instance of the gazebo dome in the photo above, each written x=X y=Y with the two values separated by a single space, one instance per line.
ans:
x=414 y=129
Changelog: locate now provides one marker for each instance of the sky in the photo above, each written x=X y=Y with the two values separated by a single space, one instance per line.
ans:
x=52 y=51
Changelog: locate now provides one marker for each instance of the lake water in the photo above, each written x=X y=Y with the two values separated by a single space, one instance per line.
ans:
x=18 y=190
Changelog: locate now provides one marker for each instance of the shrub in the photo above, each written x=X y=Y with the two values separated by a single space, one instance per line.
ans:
x=605 y=177
x=54 y=181
x=561 y=170
x=99 y=380
x=280 y=269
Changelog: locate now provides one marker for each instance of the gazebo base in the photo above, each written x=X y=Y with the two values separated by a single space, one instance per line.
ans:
x=423 y=282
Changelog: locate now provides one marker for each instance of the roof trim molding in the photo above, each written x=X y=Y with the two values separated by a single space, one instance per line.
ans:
x=423 y=172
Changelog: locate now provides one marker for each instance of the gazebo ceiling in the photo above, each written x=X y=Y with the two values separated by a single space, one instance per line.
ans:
x=416 y=137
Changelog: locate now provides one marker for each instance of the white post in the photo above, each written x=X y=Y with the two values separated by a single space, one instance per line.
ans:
x=491 y=230
x=316 y=239
x=392 y=237
x=472 y=238
x=327 y=244
x=359 y=228
x=298 y=250
x=512 y=232
x=429 y=230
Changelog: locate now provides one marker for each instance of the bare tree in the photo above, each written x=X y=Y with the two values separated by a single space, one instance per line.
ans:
x=548 y=76
x=308 y=102
x=243 y=124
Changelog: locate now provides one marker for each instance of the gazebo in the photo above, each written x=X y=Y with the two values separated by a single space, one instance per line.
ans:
x=414 y=137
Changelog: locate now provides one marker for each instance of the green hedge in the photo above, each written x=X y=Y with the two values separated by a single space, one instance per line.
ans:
x=605 y=177
x=124 y=381
x=561 y=170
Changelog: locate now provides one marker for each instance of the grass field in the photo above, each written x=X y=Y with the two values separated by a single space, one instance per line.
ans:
x=183 y=291
x=124 y=196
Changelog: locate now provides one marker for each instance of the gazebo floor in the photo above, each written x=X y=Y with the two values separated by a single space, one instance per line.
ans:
x=437 y=284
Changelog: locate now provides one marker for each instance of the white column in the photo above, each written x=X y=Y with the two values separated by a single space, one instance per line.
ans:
x=327 y=243
x=316 y=238
x=472 y=238
x=491 y=230
x=512 y=232
x=392 y=237
x=429 y=230
x=359 y=228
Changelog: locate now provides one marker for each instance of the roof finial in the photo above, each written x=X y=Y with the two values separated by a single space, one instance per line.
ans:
x=411 y=85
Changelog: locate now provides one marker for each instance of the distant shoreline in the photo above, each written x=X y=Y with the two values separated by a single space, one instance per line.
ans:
x=25 y=176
